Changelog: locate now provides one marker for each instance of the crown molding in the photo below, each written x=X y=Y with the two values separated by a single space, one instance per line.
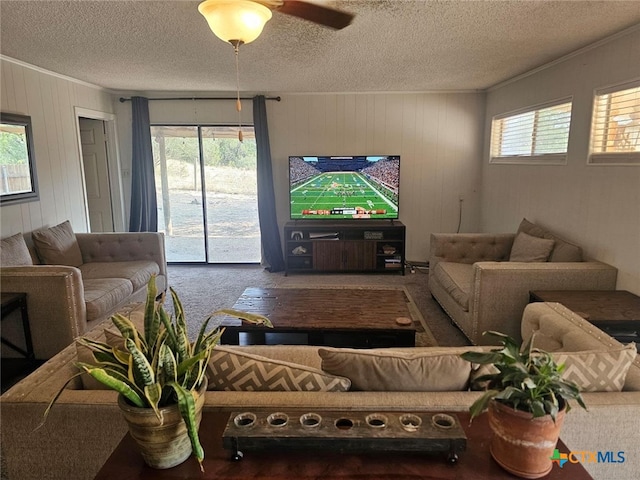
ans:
x=53 y=74
x=564 y=58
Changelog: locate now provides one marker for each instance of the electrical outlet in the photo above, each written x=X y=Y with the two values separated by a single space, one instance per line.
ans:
x=461 y=197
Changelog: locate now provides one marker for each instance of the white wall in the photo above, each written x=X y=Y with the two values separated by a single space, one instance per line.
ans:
x=595 y=206
x=438 y=136
x=49 y=100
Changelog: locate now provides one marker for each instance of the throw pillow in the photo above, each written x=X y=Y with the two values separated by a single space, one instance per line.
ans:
x=85 y=355
x=113 y=337
x=58 y=245
x=239 y=371
x=563 y=251
x=135 y=313
x=530 y=249
x=591 y=370
x=14 y=252
x=598 y=371
x=376 y=370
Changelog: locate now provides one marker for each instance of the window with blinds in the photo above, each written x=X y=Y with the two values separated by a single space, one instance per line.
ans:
x=615 y=128
x=536 y=135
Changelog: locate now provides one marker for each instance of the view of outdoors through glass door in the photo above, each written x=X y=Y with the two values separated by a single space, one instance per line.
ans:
x=207 y=193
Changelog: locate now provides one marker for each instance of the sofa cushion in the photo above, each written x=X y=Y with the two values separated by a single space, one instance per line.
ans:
x=380 y=370
x=57 y=245
x=102 y=295
x=232 y=370
x=456 y=279
x=527 y=248
x=14 y=252
x=138 y=272
x=563 y=251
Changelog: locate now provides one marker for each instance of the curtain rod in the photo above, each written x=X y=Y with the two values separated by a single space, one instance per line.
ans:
x=277 y=99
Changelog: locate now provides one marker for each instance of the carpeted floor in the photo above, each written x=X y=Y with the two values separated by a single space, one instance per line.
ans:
x=206 y=288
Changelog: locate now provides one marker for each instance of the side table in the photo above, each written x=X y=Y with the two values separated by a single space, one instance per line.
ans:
x=13 y=369
x=475 y=463
x=616 y=312
x=10 y=303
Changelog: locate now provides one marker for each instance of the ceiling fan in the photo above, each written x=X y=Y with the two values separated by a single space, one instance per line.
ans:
x=239 y=22
x=313 y=12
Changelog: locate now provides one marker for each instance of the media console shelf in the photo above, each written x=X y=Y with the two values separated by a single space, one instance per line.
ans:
x=343 y=246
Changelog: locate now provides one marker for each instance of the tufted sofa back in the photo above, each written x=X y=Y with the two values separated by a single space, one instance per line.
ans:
x=109 y=247
x=469 y=248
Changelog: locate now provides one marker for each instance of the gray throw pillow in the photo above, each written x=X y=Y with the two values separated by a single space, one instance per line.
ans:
x=58 y=245
x=14 y=252
x=563 y=251
x=530 y=249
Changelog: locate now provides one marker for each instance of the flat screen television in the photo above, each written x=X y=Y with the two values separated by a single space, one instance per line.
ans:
x=352 y=187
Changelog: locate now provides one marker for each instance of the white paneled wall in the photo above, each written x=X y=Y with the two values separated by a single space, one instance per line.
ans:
x=49 y=100
x=595 y=206
x=438 y=136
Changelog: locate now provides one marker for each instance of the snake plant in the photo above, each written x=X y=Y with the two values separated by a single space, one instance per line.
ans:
x=526 y=379
x=158 y=367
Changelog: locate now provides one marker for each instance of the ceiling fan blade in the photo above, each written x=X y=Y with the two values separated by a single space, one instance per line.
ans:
x=315 y=13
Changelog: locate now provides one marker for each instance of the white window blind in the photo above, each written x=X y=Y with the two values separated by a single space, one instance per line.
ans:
x=536 y=135
x=615 y=128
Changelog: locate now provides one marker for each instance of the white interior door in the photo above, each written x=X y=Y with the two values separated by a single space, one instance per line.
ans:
x=96 y=172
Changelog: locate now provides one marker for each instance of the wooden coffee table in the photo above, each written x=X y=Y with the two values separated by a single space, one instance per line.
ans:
x=475 y=463
x=616 y=312
x=338 y=317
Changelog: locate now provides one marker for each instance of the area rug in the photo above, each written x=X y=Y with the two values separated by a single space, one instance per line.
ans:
x=205 y=288
x=424 y=336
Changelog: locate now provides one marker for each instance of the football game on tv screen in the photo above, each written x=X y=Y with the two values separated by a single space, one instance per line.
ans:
x=344 y=187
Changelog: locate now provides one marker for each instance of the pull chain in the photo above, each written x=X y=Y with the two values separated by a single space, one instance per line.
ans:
x=236 y=48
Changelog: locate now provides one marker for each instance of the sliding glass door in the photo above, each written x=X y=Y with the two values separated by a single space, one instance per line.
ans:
x=207 y=193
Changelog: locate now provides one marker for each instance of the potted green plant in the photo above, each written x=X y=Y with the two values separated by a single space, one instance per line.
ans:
x=526 y=400
x=160 y=377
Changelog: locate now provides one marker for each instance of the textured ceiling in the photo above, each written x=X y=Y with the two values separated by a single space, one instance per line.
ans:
x=155 y=46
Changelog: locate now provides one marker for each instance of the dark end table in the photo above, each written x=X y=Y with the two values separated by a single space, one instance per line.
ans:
x=14 y=369
x=10 y=303
x=616 y=312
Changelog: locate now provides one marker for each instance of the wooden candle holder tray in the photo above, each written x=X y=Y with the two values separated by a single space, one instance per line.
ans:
x=347 y=431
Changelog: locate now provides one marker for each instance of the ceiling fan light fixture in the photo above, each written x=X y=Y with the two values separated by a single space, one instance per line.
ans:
x=235 y=21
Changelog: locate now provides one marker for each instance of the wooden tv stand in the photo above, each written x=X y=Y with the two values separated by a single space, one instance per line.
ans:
x=374 y=246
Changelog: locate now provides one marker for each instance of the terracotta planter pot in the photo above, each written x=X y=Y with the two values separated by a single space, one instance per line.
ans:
x=521 y=444
x=162 y=445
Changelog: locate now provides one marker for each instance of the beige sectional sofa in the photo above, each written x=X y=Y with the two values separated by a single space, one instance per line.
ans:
x=85 y=425
x=483 y=280
x=74 y=281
